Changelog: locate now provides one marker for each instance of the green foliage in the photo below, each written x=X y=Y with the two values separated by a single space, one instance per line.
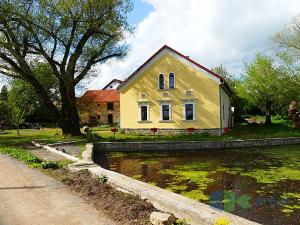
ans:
x=4 y=93
x=71 y=36
x=22 y=155
x=103 y=178
x=49 y=165
x=266 y=85
x=26 y=104
x=31 y=160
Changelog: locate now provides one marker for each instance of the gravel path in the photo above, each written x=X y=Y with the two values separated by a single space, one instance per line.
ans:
x=29 y=197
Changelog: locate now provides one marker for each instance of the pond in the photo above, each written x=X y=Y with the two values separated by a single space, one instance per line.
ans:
x=260 y=184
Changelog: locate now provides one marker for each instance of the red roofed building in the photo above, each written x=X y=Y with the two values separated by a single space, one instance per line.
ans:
x=98 y=107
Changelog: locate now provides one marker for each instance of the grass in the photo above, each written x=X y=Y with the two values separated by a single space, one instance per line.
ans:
x=280 y=128
x=31 y=160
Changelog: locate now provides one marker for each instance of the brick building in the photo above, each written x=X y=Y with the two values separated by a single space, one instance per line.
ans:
x=98 y=107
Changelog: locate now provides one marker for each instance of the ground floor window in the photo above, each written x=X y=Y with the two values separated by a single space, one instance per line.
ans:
x=189 y=110
x=144 y=113
x=165 y=112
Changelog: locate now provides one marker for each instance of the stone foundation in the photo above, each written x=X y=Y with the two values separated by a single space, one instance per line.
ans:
x=192 y=145
x=162 y=131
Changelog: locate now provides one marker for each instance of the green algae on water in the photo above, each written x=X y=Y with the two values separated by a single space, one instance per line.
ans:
x=273 y=175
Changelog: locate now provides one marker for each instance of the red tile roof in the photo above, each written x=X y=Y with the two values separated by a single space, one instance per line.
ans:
x=176 y=52
x=100 y=96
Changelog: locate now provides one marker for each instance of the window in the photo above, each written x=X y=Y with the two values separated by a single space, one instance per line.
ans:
x=161 y=81
x=110 y=106
x=165 y=112
x=144 y=113
x=171 y=80
x=189 y=111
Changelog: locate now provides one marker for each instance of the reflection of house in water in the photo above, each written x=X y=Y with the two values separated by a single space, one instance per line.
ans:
x=148 y=168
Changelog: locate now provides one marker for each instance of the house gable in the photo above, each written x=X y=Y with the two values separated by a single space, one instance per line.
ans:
x=192 y=86
x=160 y=53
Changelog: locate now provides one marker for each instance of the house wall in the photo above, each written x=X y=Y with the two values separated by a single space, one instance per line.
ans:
x=225 y=108
x=112 y=85
x=87 y=110
x=205 y=94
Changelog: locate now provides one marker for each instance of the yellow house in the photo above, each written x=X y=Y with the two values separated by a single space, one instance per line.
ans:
x=172 y=92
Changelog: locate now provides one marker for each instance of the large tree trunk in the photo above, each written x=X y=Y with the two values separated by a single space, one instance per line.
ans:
x=70 y=124
x=268 y=113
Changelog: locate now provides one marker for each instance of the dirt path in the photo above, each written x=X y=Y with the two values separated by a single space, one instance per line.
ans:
x=29 y=197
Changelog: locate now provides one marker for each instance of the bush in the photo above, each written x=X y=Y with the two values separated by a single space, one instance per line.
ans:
x=49 y=165
x=103 y=178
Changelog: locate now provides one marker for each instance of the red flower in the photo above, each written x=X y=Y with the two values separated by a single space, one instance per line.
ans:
x=191 y=129
x=154 y=130
x=114 y=130
x=227 y=129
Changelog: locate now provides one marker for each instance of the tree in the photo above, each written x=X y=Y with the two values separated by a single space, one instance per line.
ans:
x=4 y=93
x=19 y=106
x=70 y=35
x=287 y=46
x=240 y=105
x=265 y=85
x=26 y=93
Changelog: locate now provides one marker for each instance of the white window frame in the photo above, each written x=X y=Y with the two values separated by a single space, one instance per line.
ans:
x=174 y=80
x=161 y=111
x=158 y=86
x=140 y=112
x=194 y=111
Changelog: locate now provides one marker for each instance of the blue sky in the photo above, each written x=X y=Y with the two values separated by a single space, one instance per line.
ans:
x=139 y=12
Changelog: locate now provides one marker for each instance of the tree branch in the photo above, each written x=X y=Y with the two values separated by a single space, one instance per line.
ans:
x=83 y=73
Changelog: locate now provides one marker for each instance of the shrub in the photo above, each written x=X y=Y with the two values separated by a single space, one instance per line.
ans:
x=49 y=165
x=103 y=178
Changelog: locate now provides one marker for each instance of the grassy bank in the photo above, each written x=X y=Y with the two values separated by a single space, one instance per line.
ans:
x=32 y=161
x=279 y=128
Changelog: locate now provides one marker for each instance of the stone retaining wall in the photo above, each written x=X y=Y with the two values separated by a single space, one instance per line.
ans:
x=145 y=131
x=193 y=145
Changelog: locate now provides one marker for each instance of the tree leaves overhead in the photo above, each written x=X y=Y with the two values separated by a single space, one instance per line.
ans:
x=71 y=36
x=79 y=32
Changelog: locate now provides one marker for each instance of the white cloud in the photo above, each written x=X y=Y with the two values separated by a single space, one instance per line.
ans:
x=210 y=31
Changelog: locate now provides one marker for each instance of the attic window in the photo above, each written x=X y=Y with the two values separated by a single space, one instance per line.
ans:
x=171 y=80
x=161 y=81
x=188 y=92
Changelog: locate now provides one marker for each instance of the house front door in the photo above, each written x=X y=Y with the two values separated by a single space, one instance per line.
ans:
x=110 y=118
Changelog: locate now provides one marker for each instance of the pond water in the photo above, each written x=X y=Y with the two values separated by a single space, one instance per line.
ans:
x=261 y=184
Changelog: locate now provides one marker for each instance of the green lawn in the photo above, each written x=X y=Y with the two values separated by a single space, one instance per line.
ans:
x=280 y=128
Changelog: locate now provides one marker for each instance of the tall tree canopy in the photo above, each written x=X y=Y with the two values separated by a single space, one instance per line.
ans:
x=287 y=43
x=266 y=85
x=69 y=35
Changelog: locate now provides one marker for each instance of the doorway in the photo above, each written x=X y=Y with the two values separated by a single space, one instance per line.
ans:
x=110 y=118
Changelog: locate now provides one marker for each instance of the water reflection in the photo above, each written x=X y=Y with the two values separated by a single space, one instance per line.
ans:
x=253 y=183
